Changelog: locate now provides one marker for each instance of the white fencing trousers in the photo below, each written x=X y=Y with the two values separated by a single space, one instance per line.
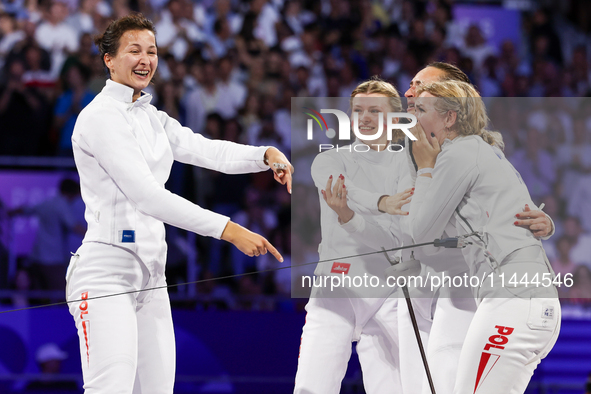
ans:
x=412 y=370
x=126 y=342
x=451 y=322
x=331 y=326
x=507 y=339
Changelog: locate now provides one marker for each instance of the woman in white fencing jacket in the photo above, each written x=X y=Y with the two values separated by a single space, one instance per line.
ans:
x=124 y=149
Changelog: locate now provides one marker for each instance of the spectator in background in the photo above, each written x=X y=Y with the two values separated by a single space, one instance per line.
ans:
x=232 y=94
x=220 y=41
x=249 y=46
x=49 y=257
x=579 y=202
x=574 y=158
x=19 y=48
x=581 y=71
x=581 y=242
x=23 y=114
x=266 y=17
x=21 y=286
x=581 y=288
x=169 y=101
x=49 y=357
x=475 y=46
x=56 y=36
x=544 y=41
x=260 y=219
x=38 y=74
x=205 y=99
x=178 y=34
x=562 y=264
x=69 y=104
x=535 y=165
x=222 y=10
x=10 y=35
x=418 y=44
x=82 y=20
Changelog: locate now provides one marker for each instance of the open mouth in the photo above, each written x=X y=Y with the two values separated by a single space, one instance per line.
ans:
x=366 y=129
x=141 y=73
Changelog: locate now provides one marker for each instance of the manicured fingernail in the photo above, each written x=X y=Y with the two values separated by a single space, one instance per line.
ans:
x=432 y=134
x=516 y=223
x=413 y=188
x=517 y=216
x=343 y=186
x=281 y=260
x=330 y=177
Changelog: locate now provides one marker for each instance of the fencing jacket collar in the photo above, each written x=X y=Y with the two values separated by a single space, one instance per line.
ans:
x=124 y=94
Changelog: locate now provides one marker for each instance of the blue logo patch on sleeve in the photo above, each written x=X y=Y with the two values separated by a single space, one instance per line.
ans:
x=128 y=236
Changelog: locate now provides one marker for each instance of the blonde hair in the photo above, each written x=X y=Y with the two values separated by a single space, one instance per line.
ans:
x=465 y=101
x=379 y=86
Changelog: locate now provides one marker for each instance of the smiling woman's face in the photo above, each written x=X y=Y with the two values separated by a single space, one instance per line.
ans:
x=369 y=107
x=136 y=60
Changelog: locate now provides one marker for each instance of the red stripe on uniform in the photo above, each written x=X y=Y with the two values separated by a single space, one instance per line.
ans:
x=482 y=367
x=85 y=324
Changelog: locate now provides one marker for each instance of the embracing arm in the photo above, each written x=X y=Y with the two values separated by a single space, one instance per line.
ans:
x=536 y=221
x=436 y=198
x=368 y=232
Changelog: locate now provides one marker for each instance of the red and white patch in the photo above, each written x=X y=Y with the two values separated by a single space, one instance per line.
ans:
x=340 y=268
x=488 y=360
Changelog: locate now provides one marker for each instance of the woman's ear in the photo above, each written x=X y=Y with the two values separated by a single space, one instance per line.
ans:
x=450 y=119
x=108 y=62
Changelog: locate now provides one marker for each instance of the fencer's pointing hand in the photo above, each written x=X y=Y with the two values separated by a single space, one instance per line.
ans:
x=282 y=168
x=536 y=221
x=336 y=198
x=249 y=243
x=393 y=204
x=425 y=149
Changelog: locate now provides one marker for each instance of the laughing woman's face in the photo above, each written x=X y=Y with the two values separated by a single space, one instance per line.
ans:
x=136 y=60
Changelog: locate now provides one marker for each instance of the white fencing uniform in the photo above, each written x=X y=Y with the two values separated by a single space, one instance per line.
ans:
x=124 y=151
x=365 y=314
x=435 y=311
x=514 y=327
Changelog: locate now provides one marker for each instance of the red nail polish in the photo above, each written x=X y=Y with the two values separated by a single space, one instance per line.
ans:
x=330 y=177
x=517 y=216
x=516 y=223
x=343 y=186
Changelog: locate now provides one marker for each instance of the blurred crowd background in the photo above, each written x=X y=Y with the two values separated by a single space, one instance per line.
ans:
x=229 y=68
